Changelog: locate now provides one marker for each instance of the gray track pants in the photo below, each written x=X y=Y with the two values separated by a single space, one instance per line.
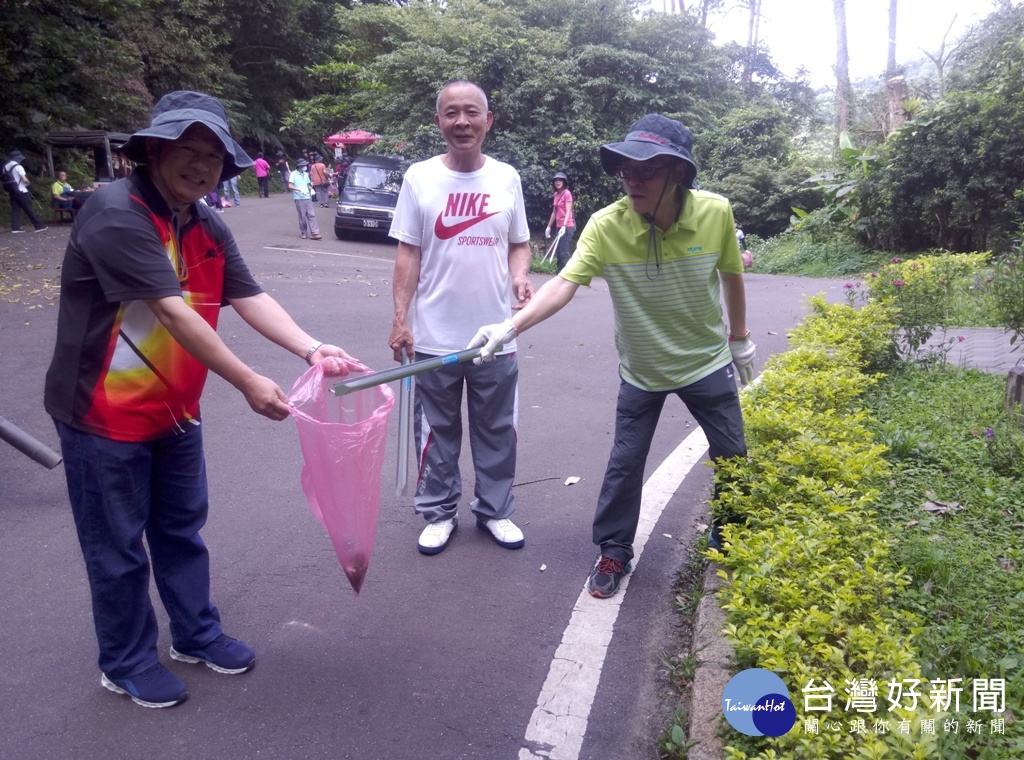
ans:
x=492 y=397
x=714 y=403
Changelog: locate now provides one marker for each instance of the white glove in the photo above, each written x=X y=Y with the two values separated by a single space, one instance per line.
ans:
x=743 y=358
x=491 y=338
x=561 y=230
x=547 y=233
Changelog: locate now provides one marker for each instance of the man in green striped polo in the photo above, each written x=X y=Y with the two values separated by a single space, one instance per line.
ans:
x=669 y=255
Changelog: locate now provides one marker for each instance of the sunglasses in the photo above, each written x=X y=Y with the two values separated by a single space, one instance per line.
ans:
x=641 y=173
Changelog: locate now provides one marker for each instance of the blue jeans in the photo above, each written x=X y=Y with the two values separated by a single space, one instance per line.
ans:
x=562 y=252
x=230 y=185
x=119 y=491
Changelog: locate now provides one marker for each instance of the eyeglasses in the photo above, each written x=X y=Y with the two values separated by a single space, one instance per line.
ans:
x=641 y=173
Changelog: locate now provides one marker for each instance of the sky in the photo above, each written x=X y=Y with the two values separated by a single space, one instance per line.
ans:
x=804 y=33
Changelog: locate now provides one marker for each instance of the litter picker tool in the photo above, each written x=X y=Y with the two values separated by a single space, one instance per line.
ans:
x=554 y=244
x=28 y=445
x=370 y=379
x=404 y=397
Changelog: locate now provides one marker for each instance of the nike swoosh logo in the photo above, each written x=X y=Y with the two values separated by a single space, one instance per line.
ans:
x=447 y=233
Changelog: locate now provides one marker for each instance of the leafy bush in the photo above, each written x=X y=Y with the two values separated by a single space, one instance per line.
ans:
x=811 y=578
x=799 y=252
x=925 y=293
x=1008 y=289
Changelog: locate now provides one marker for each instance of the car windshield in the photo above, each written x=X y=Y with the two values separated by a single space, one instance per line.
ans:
x=375 y=178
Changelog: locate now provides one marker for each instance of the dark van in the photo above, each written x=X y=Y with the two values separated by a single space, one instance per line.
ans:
x=368 y=198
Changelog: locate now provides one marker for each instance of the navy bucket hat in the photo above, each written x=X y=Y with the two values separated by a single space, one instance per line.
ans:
x=177 y=111
x=653 y=135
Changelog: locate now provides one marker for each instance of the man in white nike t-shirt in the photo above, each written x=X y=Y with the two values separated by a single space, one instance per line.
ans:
x=463 y=254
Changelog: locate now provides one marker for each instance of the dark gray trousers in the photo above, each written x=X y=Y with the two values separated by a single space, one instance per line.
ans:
x=492 y=399
x=713 y=401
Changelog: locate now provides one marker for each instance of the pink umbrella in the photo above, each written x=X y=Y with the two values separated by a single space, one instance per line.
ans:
x=352 y=137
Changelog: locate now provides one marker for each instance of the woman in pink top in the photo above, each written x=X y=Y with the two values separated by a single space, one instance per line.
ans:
x=562 y=218
x=262 y=169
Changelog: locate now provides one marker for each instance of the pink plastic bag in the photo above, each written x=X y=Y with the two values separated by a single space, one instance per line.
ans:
x=342 y=440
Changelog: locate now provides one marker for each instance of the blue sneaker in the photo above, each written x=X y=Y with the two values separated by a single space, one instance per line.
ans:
x=224 y=654
x=154 y=687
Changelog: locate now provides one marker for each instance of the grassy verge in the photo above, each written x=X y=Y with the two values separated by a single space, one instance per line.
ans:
x=680 y=668
x=955 y=509
x=878 y=544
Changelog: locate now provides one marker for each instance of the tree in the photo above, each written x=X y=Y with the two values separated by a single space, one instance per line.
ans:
x=890 y=60
x=844 y=92
x=753 y=38
x=63 y=65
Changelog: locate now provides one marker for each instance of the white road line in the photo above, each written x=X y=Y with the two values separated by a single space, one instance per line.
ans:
x=327 y=253
x=559 y=722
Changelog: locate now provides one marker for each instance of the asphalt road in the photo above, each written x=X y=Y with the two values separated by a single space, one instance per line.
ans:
x=438 y=657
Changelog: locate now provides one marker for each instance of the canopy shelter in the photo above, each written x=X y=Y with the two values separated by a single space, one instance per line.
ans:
x=104 y=145
x=352 y=137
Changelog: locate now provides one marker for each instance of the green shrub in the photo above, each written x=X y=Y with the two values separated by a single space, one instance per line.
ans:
x=811 y=579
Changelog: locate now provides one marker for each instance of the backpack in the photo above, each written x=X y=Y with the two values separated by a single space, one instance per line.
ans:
x=10 y=181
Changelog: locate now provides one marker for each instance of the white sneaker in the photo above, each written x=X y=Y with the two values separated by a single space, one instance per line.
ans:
x=504 y=532
x=435 y=536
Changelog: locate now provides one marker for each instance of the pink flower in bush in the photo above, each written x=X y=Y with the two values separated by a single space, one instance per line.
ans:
x=897 y=284
x=895 y=260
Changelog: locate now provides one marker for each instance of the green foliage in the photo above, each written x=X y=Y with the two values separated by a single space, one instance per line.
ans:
x=797 y=252
x=843 y=209
x=812 y=582
x=673 y=743
x=864 y=336
x=954 y=516
x=62 y=65
x=923 y=292
x=1008 y=289
x=561 y=80
x=837 y=557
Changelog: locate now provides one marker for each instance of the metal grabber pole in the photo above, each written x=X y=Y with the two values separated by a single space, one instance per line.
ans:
x=404 y=399
x=28 y=445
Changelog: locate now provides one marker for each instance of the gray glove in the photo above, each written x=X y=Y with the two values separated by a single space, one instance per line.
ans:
x=491 y=338
x=743 y=358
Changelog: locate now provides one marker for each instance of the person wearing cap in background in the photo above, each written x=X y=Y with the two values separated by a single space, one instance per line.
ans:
x=320 y=180
x=145 y=274
x=668 y=252
x=561 y=217
x=301 y=186
x=16 y=183
x=283 y=170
